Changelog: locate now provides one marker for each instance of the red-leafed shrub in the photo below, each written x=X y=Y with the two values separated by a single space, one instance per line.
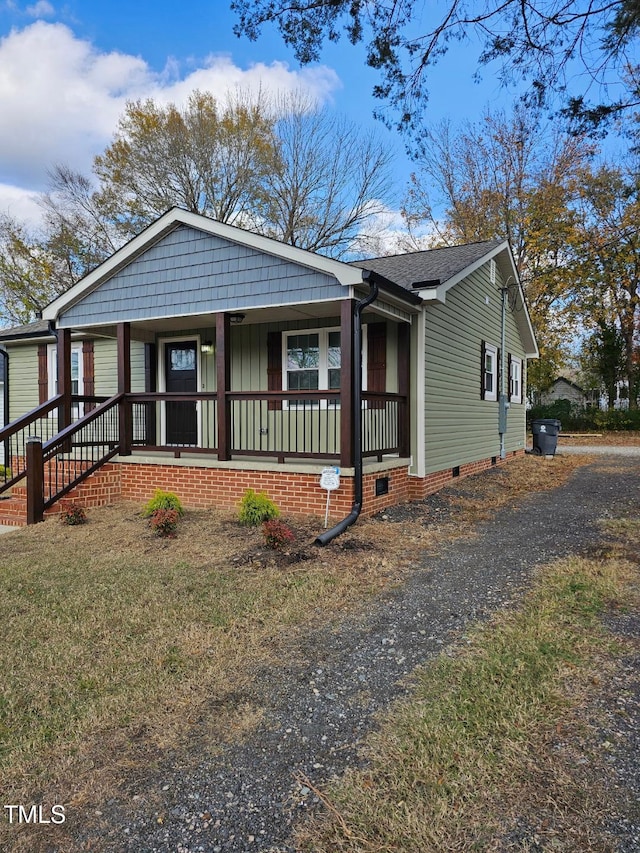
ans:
x=73 y=514
x=164 y=522
x=277 y=534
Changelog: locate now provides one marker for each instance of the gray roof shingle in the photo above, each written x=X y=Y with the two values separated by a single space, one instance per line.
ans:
x=429 y=267
x=37 y=329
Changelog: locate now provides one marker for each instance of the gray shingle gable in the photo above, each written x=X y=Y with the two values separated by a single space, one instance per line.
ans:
x=192 y=272
x=429 y=267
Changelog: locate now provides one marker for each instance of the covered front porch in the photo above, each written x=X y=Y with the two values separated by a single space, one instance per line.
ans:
x=200 y=414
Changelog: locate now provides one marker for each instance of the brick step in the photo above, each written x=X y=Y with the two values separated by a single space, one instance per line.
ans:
x=101 y=487
x=13 y=511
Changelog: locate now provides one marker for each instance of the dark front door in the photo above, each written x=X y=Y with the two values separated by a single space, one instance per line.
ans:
x=181 y=375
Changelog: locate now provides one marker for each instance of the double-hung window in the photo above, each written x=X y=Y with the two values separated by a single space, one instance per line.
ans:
x=489 y=372
x=515 y=379
x=312 y=361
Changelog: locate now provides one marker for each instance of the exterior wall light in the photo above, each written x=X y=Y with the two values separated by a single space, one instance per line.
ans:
x=206 y=348
x=236 y=319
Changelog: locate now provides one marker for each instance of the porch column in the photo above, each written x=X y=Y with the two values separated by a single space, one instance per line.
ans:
x=348 y=364
x=223 y=383
x=404 y=385
x=35 y=480
x=64 y=377
x=124 y=387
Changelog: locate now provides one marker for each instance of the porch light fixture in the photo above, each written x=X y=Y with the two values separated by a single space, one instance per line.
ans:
x=206 y=348
x=236 y=319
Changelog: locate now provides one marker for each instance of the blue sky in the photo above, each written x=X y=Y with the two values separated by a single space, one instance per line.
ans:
x=68 y=68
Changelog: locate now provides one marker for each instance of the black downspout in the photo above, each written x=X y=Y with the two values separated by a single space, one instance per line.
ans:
x=341 y=526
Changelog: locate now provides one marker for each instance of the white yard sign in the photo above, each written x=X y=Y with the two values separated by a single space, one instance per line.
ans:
x=329 y=480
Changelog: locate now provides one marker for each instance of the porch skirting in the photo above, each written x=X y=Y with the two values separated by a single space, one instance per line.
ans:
x=295 y=490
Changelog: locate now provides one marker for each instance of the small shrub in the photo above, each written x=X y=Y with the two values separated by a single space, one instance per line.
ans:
x=73 y=514
x=5 y=472
x=256 y=508
x=276 y=534
x=164 y=522
x=163 y=500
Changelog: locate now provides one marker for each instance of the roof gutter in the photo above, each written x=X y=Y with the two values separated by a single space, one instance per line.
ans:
x=329 y=535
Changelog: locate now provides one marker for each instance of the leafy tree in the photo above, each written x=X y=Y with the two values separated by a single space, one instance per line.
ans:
x=287 y=169
x=548 y=43
x=208 y=158
x=508 y=177
x=610 y=249
x=602 y=360
x=28 y=268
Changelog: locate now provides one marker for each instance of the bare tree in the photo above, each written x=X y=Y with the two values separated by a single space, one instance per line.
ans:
x=329 y=180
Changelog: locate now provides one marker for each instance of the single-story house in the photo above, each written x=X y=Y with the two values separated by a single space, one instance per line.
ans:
x=568 y=388
x=207 y=359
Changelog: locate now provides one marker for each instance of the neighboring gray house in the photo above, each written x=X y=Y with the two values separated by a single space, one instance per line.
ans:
x=564 y=388
x=568 y=388
x=231 y=361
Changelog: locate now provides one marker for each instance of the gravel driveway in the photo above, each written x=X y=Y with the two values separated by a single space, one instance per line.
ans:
x=317 y=712
x=600 y=449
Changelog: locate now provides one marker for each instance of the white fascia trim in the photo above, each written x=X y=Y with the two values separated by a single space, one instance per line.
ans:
x=344 y=273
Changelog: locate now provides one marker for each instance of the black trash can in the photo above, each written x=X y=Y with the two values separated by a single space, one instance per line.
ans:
x=545 y=436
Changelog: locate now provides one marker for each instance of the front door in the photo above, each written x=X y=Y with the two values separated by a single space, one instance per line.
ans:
x=181 y=375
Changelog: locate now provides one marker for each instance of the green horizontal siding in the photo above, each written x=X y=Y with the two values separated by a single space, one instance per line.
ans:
x=23 y=379
x=460 y=427
x=105 y=365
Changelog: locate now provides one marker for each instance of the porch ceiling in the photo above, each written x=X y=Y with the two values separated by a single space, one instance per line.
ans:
x=145 y=330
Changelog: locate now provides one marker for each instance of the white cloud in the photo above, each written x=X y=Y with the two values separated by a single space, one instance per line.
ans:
x=41 y=9
x=20 y=204
x=60 y=97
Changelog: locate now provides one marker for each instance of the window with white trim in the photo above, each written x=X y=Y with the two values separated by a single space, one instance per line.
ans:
x=515 y=380
x=312 y=360
x=490 y=373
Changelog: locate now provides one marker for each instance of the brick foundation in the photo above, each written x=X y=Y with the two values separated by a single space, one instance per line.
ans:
x=421 y=487
x=197 y=487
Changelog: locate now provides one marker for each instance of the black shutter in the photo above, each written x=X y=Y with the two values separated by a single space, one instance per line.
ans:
x=274 y=368
x=376 y=362
x=88 y=373
x=43 y=374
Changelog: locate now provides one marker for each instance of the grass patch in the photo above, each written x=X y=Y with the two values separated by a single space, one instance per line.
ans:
x=118 y=645
x=101 y=643
x=469 y=761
